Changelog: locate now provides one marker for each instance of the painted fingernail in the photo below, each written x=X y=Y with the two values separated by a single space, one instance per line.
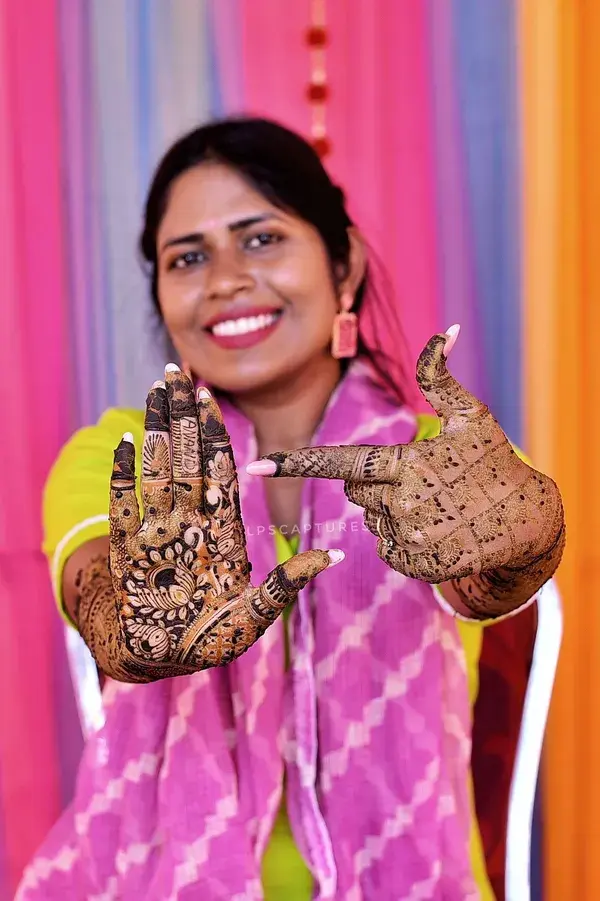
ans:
x=261 y=468
x=335 y=557
x=172 y=367
x=452 y=333
x=158 y=384
x=203 y=394
x=127 y=437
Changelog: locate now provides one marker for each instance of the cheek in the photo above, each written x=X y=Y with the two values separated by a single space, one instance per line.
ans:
x=307 y=285
x=179 y=303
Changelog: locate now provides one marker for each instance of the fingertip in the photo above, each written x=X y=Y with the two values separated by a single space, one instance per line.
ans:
x=172 y=367
x=335 y=556
x=158 y=384
x=262 y=468
x=203 y=394
x=452 y=334
x=124 y=462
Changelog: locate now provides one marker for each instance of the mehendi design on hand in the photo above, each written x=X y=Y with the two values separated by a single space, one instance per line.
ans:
x=460 y=508
x=177 y=597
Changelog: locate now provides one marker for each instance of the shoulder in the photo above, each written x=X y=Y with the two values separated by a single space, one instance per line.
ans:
x=110 y=426
x=80 y=473
x=76 y=494
x=94 y=441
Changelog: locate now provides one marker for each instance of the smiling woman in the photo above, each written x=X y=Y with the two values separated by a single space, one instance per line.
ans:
x=242 y=774
x=243 y=257
x=262 y=262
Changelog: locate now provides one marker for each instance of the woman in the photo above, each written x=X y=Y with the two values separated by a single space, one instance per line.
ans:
x=331 y=758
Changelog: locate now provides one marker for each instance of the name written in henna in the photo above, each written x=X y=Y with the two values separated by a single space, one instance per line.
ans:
x=189 y=445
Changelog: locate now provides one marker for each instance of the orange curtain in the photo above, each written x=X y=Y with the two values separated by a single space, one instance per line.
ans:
x=560 y=56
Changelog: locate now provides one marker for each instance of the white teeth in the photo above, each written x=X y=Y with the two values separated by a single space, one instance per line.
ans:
x=244 y=326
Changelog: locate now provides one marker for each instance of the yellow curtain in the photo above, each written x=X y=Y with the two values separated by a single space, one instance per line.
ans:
x=560 y=62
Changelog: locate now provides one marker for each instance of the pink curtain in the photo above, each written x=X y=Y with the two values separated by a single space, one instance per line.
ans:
x=378 y=64
x=35 y=422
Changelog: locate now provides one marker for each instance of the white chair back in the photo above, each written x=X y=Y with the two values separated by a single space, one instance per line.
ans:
x=531 y=738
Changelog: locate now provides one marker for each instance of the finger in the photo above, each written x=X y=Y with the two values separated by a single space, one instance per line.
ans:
x=185 y=440
x=282 y=585
x=156 y=453
x=425 y=565
x=355 y=463
x=124 y=512
x=366 y=494
x=221 y=489
x=445 y=394
x=380 y=526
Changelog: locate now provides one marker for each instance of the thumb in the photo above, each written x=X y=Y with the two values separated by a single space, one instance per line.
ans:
x=282 y=585
x=445 y=394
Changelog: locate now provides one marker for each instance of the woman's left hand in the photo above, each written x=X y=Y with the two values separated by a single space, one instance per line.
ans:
x=452 y=507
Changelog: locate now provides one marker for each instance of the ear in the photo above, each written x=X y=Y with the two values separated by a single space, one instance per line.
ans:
x=357 y=264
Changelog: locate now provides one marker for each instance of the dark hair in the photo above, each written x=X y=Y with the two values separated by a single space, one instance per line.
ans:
x=285 y=169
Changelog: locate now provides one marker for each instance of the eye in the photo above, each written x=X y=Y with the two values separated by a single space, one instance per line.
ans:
x=264 y=239
x=187 y=259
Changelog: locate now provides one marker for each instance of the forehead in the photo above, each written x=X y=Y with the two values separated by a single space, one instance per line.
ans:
x=210 y=196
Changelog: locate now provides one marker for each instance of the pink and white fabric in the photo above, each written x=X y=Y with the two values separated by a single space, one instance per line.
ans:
x=178 y=792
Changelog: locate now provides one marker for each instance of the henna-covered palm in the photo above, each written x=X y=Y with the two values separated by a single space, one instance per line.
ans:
x=460 y=507
x=181 y=576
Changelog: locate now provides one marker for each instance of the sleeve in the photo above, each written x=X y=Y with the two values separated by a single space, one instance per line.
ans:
x=429 y=427
x=76 y=494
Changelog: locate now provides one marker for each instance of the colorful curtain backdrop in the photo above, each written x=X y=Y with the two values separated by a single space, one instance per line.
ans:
x=560 y=65
x=464 y=134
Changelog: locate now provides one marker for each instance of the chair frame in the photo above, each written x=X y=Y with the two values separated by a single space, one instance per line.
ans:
x=529 y=748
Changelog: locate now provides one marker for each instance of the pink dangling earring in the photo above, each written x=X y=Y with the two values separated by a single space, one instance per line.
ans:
x=344 y=341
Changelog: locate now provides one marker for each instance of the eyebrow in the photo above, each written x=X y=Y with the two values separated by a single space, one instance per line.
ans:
x=238 y=225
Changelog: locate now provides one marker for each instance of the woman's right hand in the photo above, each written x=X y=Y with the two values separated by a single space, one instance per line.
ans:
x=181 y=575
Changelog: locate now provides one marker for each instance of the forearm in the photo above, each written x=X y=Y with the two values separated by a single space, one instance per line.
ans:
x=496 y=593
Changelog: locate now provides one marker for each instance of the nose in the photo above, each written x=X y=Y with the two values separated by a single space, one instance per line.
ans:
x=228 y=276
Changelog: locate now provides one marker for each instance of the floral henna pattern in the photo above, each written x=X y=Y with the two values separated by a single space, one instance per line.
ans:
x=98 y=622
x=176 y=597
x=164 y=594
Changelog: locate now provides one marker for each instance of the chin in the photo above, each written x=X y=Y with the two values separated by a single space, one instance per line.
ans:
x=241 y=379
x=269 y=364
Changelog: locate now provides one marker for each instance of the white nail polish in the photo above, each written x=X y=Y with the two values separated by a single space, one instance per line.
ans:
x=335 y=557
x=128 y=437
x=158 y=384
x=453 y=331
x=172 y=367
x=452 y=335
x=203 y=394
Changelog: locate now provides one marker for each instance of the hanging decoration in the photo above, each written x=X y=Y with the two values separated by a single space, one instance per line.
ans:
x=318 y=90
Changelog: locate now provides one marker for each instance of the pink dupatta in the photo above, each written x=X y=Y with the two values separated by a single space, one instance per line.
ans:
x=177 y=793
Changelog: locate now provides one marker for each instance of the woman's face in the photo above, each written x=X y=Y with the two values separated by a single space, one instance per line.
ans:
x=246 y=289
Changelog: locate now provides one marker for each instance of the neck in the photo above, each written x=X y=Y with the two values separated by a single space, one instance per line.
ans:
x=286 y=415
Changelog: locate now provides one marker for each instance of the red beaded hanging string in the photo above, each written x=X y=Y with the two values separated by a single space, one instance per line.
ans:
x=318 y=91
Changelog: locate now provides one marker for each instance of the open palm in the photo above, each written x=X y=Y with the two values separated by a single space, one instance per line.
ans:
x=181 y=575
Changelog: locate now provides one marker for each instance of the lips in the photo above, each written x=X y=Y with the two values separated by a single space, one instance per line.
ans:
x=243 y=328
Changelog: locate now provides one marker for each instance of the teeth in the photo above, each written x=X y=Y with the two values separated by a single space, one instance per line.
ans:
x=244 y=326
